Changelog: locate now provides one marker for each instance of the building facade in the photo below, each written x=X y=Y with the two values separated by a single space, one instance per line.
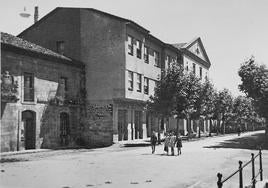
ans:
x=40 y=96
x=123 y=63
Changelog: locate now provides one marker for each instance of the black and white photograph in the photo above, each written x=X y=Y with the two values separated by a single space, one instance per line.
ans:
x=134 y=94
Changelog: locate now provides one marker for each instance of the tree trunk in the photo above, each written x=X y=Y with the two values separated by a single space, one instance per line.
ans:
x=266 y=129
x=223 y=126
x=199 y=131
x=158 y=130
x=177 y=126
x=210 y=126
x=188 y=127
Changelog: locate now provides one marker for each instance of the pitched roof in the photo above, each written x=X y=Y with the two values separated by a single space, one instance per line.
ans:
x=26 y=45
x=185 y=46
x=179 y=45
x=10 y=41
x=89 y=9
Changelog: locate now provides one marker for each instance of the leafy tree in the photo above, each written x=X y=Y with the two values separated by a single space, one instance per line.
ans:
x=205 y=102
x=162 y=103
x=186 y=97
x=223 y=107
x=244 y=111
x=254 y=84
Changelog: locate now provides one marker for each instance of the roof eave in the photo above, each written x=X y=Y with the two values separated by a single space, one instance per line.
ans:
x=22 y=51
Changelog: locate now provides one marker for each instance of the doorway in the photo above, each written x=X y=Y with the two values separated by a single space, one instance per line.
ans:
x=29 y=119
x=138 y=125
x=64 y=129
x=122 y=125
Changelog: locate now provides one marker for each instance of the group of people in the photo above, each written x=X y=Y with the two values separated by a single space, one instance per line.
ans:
x=171 y=141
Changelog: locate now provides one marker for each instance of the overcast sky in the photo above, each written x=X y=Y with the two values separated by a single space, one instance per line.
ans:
x=231 y=30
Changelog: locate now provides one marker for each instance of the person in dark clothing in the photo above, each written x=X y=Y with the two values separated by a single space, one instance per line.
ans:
x=179 y=144
x=153 y=141
x=238 y=130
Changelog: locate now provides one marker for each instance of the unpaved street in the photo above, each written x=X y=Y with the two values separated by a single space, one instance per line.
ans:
x=130 y=167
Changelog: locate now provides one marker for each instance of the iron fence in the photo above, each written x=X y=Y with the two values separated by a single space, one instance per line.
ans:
x=240 y=171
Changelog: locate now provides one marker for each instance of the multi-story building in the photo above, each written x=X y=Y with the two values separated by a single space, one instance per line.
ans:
x=41 y=96
x=123 y=63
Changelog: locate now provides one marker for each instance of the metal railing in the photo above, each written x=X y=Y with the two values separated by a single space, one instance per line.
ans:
x=240 y=171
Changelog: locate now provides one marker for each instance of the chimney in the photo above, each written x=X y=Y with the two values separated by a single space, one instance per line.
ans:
x=35 y=14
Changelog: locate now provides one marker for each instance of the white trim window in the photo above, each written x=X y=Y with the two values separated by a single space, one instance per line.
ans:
x=28 y=90
x=130 y=42
x=130 y=81
x=200 y=72
x=139 y=82
x=138 y=49
x=194 y=66
x=157 y=59
x=146 y=86
x=146 y=54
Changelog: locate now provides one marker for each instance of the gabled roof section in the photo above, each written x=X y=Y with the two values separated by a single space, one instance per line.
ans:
x=179 y=45
x=127 y=21
x=196 y=50
x=12 y=42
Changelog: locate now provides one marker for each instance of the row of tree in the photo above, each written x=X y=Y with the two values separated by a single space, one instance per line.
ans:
x=182 y=95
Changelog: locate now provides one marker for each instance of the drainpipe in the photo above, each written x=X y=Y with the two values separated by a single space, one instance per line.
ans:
x=18 y=132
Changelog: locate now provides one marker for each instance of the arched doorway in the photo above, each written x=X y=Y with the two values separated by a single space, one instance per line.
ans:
x=64 y=128
x=28 y=118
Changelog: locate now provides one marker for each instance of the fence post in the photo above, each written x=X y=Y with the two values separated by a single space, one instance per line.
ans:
x=261 y=177
x=219 y=183
x=240 y=174
x=253 y=170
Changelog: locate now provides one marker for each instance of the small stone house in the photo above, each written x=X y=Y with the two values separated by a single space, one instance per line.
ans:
x=42 y=96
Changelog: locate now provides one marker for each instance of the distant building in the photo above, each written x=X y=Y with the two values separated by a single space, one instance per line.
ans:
x=40 y=96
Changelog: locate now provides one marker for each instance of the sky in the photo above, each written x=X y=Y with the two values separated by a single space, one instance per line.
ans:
x=231 y=30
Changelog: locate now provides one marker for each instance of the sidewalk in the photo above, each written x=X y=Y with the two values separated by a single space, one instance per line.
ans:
x=121 y=144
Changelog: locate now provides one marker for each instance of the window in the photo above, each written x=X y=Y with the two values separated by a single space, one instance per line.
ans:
x=60 y=47
x=187 y=67
x=157 y=58
x=138 y=49
x=130 y=80
x=168 y=61
x=63 y=83
x=139 y=82
x=130 y=45
x=146 y=54
x=28 y=87
x=194 y=68
x=197 y=50
x=155 y=85
x=200 y=72
x=146 y=86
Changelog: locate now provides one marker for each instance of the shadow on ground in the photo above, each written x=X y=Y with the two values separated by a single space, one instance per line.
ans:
x=252 y=142
x=137 y=145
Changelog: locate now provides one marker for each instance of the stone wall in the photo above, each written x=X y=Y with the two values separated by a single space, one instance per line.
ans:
x=96 y=128
x=47 y=112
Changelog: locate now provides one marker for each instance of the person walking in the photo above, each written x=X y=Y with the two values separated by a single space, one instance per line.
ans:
x=238 y=130
x=166 y=142
x=172 y=143
x=179 y=143
x=153 y=141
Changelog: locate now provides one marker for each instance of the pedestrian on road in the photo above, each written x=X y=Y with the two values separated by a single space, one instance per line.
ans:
x=172 y=142
x=179 y=143
x=238 y=130
x=153 y=141
x=166 y=143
